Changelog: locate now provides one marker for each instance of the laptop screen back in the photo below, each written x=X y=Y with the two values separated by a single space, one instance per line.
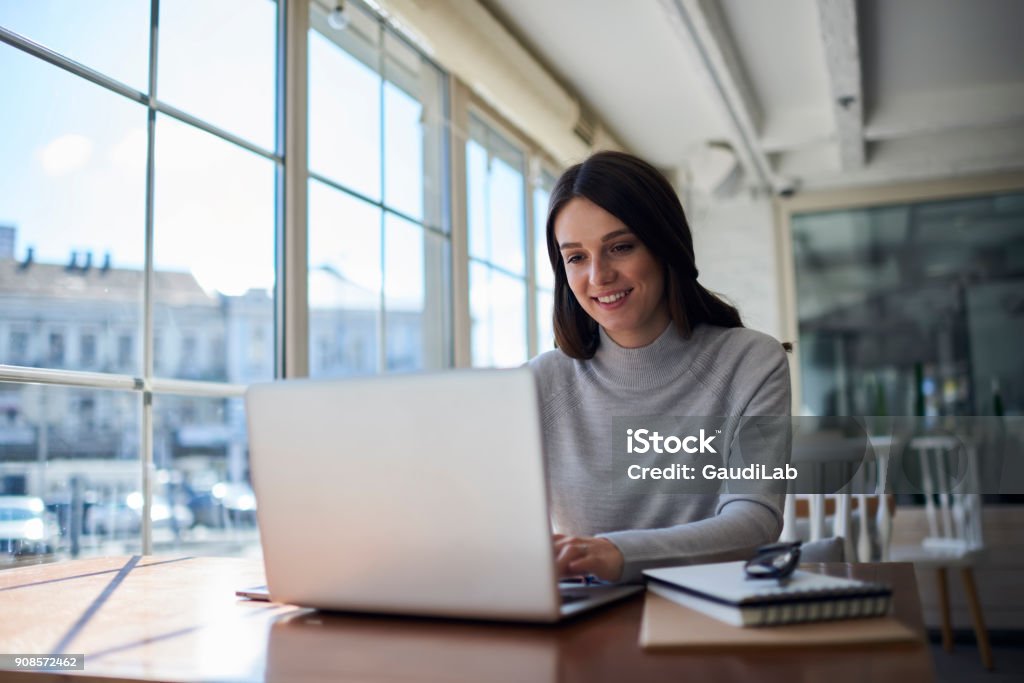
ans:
x=411 y=494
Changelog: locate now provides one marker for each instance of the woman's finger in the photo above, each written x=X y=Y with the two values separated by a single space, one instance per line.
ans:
x=587 y=564
x=568 y=553
x=602 y=559
x=562 y=541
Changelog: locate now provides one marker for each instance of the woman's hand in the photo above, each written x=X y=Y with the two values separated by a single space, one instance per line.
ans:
x=586 y=556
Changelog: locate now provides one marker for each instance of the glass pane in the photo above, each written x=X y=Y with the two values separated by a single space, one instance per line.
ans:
x=413 y=134
x=217 y=62
x=497 y=305
x=69 y=473
x=109 y=36
x=200 y=450
x=476 y=200
x=507 y=217
x=495 y=189
x=541 y=197
x=480 y=308
x=908 y=309
x=344 y=103
x=416 y=317
x=72 y=211
x=345 y=281
x=214 y=257
x=545 y=321
x=403 y=152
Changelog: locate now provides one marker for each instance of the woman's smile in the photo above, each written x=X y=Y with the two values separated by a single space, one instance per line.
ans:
x=612 y=300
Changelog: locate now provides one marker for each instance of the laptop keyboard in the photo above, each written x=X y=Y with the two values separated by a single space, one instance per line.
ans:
x=574 y=593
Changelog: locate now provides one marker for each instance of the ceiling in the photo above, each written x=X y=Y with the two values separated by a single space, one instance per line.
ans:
x=805 y=94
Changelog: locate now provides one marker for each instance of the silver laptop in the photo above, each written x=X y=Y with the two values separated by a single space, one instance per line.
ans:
x=418 y=494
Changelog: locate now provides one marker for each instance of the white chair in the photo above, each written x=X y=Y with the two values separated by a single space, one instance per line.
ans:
x=949 y=482
x=833 y=515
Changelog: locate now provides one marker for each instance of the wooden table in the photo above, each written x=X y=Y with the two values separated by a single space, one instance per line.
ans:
x=176 y=619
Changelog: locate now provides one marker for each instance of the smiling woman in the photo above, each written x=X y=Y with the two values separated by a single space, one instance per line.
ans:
x=639 y=336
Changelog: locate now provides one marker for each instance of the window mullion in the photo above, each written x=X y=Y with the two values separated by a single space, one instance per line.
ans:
x=460 y=223
x=532 y=178
x=382 y=304
x=291 y=305
x=146 y=431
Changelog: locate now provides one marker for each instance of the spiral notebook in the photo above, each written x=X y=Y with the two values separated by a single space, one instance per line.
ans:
x=724 y=592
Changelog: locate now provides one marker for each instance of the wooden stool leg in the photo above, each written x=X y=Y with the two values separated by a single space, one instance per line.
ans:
x=980 y=632
x=947 y=630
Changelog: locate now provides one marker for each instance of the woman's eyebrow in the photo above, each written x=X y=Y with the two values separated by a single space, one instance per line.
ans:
x=617 y=233
x=609 y=236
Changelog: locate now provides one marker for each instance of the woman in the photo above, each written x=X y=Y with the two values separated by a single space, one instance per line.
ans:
x=637 y=335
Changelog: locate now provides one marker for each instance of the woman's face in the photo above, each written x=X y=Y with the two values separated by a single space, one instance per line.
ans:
x=613 y=275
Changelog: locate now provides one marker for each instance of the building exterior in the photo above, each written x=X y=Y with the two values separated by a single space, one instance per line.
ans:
x=86 y=315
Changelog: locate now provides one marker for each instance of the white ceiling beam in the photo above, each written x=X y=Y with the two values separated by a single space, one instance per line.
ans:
x=887 y=175
x=778 y=144
x=704 y=32
x=797 y=127
x=842 y=59
x=984 y=105
x=950 y=155
x=939 y=124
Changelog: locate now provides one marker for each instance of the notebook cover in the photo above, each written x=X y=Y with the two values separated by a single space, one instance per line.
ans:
x=727 y=582
x=667 y=625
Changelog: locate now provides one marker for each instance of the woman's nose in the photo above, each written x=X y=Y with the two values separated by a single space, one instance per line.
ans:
x=601 y=272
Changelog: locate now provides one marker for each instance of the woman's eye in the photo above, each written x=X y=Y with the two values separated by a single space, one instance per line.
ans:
x=624 y=248
x=575 y=258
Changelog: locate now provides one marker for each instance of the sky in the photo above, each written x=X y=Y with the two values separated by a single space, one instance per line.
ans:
x=74 y=154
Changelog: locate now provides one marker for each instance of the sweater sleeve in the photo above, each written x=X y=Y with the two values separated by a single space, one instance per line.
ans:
x=739 y=527
x=742 y=522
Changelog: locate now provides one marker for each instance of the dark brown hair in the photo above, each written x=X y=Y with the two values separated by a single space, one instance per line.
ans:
x=638 y=195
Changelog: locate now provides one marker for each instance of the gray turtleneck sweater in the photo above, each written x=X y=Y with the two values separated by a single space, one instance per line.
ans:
x=717 y=372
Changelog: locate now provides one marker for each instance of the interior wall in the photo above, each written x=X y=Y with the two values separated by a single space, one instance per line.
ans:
x=735 y=245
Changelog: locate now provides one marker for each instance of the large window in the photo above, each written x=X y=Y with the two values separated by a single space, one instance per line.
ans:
x=137 y=232
x=147 y=216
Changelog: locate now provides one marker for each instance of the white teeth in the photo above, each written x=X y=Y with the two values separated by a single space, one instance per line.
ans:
x=612 y=298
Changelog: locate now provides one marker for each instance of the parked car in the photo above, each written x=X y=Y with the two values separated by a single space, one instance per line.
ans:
x=125 y=516
x=25 y=527
x=238 y=501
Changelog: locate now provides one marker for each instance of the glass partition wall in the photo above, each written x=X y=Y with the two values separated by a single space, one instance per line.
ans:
x=912 y=309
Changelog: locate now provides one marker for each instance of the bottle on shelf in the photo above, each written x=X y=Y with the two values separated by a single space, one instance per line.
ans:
x=919 y=389
x=997 y=398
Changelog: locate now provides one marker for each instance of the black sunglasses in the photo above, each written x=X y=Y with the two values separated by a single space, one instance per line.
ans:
x=775 y=561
